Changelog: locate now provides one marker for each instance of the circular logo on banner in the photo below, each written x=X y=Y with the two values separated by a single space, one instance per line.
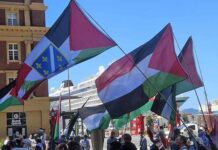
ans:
x=16 y=116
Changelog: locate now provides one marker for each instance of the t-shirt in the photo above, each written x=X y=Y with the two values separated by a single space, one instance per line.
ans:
x=85 y=144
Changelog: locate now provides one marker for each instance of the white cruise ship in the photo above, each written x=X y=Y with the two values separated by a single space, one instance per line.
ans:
x=80 y=93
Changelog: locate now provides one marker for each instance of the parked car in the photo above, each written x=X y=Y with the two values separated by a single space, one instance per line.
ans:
x=193 y=126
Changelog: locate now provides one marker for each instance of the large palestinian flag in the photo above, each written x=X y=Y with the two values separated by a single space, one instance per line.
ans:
x=129 y=82
x=161 y=106
x=186 y=57
x=71 y=40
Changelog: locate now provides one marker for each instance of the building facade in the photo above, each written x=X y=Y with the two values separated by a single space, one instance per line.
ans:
x=22 y=24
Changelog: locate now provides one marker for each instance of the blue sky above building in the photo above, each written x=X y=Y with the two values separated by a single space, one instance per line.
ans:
x=132 y=23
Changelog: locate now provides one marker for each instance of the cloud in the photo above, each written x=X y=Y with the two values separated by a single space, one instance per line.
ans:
x=101 y=69
x=52 y=89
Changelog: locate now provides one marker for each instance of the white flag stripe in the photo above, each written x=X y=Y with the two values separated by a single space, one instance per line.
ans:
x=21 y=93
x=93 y=121
x=69 y=54
x=52 y=59
x=128 y=82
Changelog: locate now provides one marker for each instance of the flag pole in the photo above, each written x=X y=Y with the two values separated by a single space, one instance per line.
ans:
x=204 y=87
x=68 y=84
x=195 y=91
x=128 y=57
x=74 y=119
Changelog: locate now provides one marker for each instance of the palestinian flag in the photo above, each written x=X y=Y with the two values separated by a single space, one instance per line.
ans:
x=71 y=40
x=123 y=88
x=57 y=126
x=6 y=99
x=95 y=117
x=123 y=120
x=73 y=120
x=193 y=81
x=186 y=58
x=57 y=123
x=162 y=107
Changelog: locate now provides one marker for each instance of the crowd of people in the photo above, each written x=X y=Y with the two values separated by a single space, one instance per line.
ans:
x=123 y=143
x=24 y=143
x=158 y=138
x=40 y=143
x=179 y=141
x=113 y=143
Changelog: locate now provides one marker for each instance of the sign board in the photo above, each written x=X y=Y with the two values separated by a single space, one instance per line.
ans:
x=16 y=119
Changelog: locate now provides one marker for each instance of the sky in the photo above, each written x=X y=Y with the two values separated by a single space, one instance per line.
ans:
x=132 y=23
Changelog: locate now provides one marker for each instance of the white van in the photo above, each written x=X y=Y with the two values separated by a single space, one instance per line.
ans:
x=193 y=126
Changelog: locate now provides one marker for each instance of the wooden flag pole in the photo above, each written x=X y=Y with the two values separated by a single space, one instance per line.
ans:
x=97 y=139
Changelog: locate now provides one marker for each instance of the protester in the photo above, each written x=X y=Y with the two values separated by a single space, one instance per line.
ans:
x=5 y=147
x=157 y=145
x=62 y=139
x=61 y=146
x=212 y=145
x=42 y=135
x=153 y=147
x=26 y=142
x=73 y=145
x=33 y=141
x=182 y=142
x=77 y=139
x=116 y=145
x=143 y=141
x=85 y=143
x=39 y=143
x=11 y=143
x=128 y=145
x=38 y=147
x=174 y=145
x=150 y=132
x=176 y=133
x=193 y=140
x=204 y=139
x=6 y=140
x=19 y=143
x=173 y=136
x=111 y=139
x=162 y=136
